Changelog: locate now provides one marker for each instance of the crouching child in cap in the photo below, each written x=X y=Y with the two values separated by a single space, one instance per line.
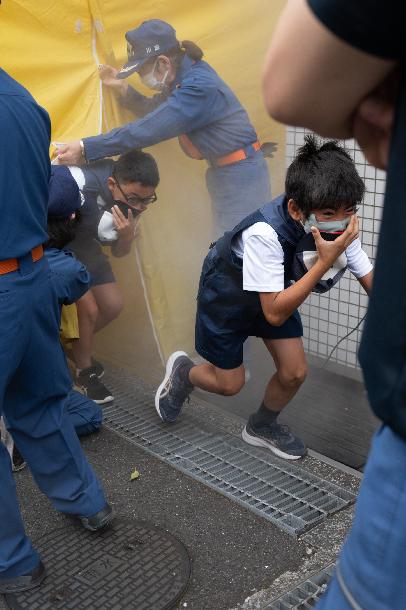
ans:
x=69 y=277
x=71 y=281
x=256 y=276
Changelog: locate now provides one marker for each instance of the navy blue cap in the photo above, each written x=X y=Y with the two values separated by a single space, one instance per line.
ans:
x=64 y=194
x=152 y=38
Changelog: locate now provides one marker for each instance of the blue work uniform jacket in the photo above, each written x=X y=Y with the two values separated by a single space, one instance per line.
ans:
x=24 y=169
x=200 y=104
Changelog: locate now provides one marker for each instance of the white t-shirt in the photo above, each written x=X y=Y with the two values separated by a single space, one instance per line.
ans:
x=263 y=258
x=78 y=175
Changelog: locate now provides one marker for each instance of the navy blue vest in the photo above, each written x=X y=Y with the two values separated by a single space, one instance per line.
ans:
x=299 y=249
x=289 y=233
x=96 y=175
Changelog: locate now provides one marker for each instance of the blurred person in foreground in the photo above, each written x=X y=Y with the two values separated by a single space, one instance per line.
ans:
x=337 y=67
x=33 y=374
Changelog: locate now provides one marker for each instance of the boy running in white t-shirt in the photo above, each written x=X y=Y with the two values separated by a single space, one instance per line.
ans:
x=256 y=276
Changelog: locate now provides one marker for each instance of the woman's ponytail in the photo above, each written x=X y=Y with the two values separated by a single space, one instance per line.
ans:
x=192 y=50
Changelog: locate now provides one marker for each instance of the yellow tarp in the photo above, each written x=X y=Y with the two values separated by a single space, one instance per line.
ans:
x=53 y=47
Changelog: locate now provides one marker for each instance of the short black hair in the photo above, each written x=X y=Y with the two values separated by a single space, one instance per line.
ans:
x=136 y=166
x=61 y=231
x=323 y=175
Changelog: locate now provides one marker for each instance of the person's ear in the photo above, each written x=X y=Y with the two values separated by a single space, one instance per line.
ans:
x=164 y=64
x=294 y=211
x=111 y=183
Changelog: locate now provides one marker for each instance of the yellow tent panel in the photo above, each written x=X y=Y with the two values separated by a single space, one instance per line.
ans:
x=53 y=47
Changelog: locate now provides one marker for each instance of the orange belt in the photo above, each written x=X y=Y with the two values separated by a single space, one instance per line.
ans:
x=237 y=155
x=12 y=264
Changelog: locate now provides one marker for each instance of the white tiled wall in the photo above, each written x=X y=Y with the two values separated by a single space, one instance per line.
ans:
x=326 y=318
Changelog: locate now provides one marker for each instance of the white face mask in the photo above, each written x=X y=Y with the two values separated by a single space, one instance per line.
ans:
x=331 y=226
x=151 y=81
x=106 y=230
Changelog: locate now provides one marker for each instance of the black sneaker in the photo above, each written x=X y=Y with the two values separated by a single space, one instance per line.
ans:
x=25 y=582
x=277 y=438
x=89 y=383
x=98 y=368
x=173 y=390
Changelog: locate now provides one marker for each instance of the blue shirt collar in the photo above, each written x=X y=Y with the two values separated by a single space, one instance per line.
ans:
x=184 y=67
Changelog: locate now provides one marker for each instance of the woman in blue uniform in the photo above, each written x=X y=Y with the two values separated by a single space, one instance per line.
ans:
x=193 y=104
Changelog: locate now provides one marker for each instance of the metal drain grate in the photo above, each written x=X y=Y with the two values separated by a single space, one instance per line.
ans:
x=306 y=595
x=289 y=496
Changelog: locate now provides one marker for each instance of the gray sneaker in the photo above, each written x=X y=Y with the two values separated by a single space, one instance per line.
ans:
x=173 y=390
x=276 y=437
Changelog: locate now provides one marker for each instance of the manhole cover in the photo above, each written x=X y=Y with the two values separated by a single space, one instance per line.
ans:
x=130 y=565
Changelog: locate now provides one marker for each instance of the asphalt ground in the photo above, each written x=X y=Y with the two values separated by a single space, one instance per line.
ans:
x=239 y=560
x=232 y=550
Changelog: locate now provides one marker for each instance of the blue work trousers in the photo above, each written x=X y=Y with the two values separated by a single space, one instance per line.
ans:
x=371 y=569
x=85 y=414
x=33 y=392
x=237 y=190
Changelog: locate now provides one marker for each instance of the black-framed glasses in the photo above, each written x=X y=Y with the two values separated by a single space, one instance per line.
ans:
x=352 y=209
x=133 y=200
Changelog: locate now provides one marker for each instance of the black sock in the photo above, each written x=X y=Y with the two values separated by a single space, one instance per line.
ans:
x=264 y=416
x=184 y=371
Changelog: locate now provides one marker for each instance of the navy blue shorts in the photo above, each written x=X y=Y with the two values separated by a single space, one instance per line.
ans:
x=90 y=253
x=227 y=315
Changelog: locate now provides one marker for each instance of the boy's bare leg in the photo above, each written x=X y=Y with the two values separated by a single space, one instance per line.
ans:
x=182 y=375
x=218 y=381
x=87 y=376
x=262 y=429
x=291 y=371
x=109 y=301
x=97 y=308
x=87 y=317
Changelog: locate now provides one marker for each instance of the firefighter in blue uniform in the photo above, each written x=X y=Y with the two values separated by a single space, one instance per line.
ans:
x=193 y=104
x=32 y=368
